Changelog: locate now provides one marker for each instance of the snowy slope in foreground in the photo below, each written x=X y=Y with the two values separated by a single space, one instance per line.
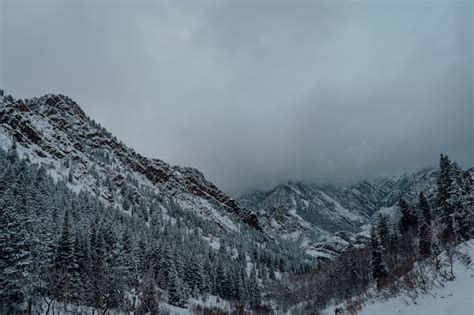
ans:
x=455 y=298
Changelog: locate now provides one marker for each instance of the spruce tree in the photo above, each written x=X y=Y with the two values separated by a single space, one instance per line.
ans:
x=98 y=266
x=168 y=268
x=424 y=227
x=383 y=230
x=460 y=201
x=221 y=279
x=253 y=290
x=445 y=204
x=376 y=262
x=424 y=208
x=406 y=219
x=65 y=266
x=176 y=292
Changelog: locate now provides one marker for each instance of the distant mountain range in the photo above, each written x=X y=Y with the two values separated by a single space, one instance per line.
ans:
x=312 y=214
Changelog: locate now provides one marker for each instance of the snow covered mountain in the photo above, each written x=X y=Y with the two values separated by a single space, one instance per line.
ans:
x=313 y=214
x=158 y=219
x=53 y=130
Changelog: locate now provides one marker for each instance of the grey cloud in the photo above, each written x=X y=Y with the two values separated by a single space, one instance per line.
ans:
x=257 y=93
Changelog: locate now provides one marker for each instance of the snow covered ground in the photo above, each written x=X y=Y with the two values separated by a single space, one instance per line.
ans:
x=454 y=298
x=212 y=302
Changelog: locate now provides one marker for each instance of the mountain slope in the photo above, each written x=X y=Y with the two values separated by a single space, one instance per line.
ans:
x=54 y=130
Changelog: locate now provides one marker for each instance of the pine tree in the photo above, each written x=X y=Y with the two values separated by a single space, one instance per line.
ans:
x=253 y=290
x=176 y=291
x=443 y=182
x=98 y=266
x=66 y=268
x=424 y=227
x=424 y=234
x=210 y=276
x=460 y=203
x=383 y=230
x=82 y=256
x=114 y=285
x=128 y=259
x=149 y=296
x=221 y=280
x=424 y=208
x=377 y=264
x=465 y=216
x=407 y=220
x=445 y=207
x=168 y=268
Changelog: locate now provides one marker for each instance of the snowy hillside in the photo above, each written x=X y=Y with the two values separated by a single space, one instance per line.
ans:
x=54 y=131
x=456 y=297
x=449 y=297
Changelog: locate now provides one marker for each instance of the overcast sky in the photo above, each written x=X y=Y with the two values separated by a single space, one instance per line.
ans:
x=255 y=93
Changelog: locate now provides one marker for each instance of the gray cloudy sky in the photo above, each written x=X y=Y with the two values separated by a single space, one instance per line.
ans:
x=254 y=93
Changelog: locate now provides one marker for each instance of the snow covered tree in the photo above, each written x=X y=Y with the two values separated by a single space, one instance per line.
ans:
x=460 y=201
x=383 y=230
x=424 y=208
x=15 y=253
x=445 y=204
x=443 y=182
x=194 y=273
x=66 y=269
x=221 y=280
x=177 y=294
x=253 y=290
x=149 y=296
x=408 y=218
x=378 y=267
x=98 y=266
x=424 y=226
x=408 y=230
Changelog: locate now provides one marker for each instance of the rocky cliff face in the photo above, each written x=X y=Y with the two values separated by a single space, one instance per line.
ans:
x=54 y=131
